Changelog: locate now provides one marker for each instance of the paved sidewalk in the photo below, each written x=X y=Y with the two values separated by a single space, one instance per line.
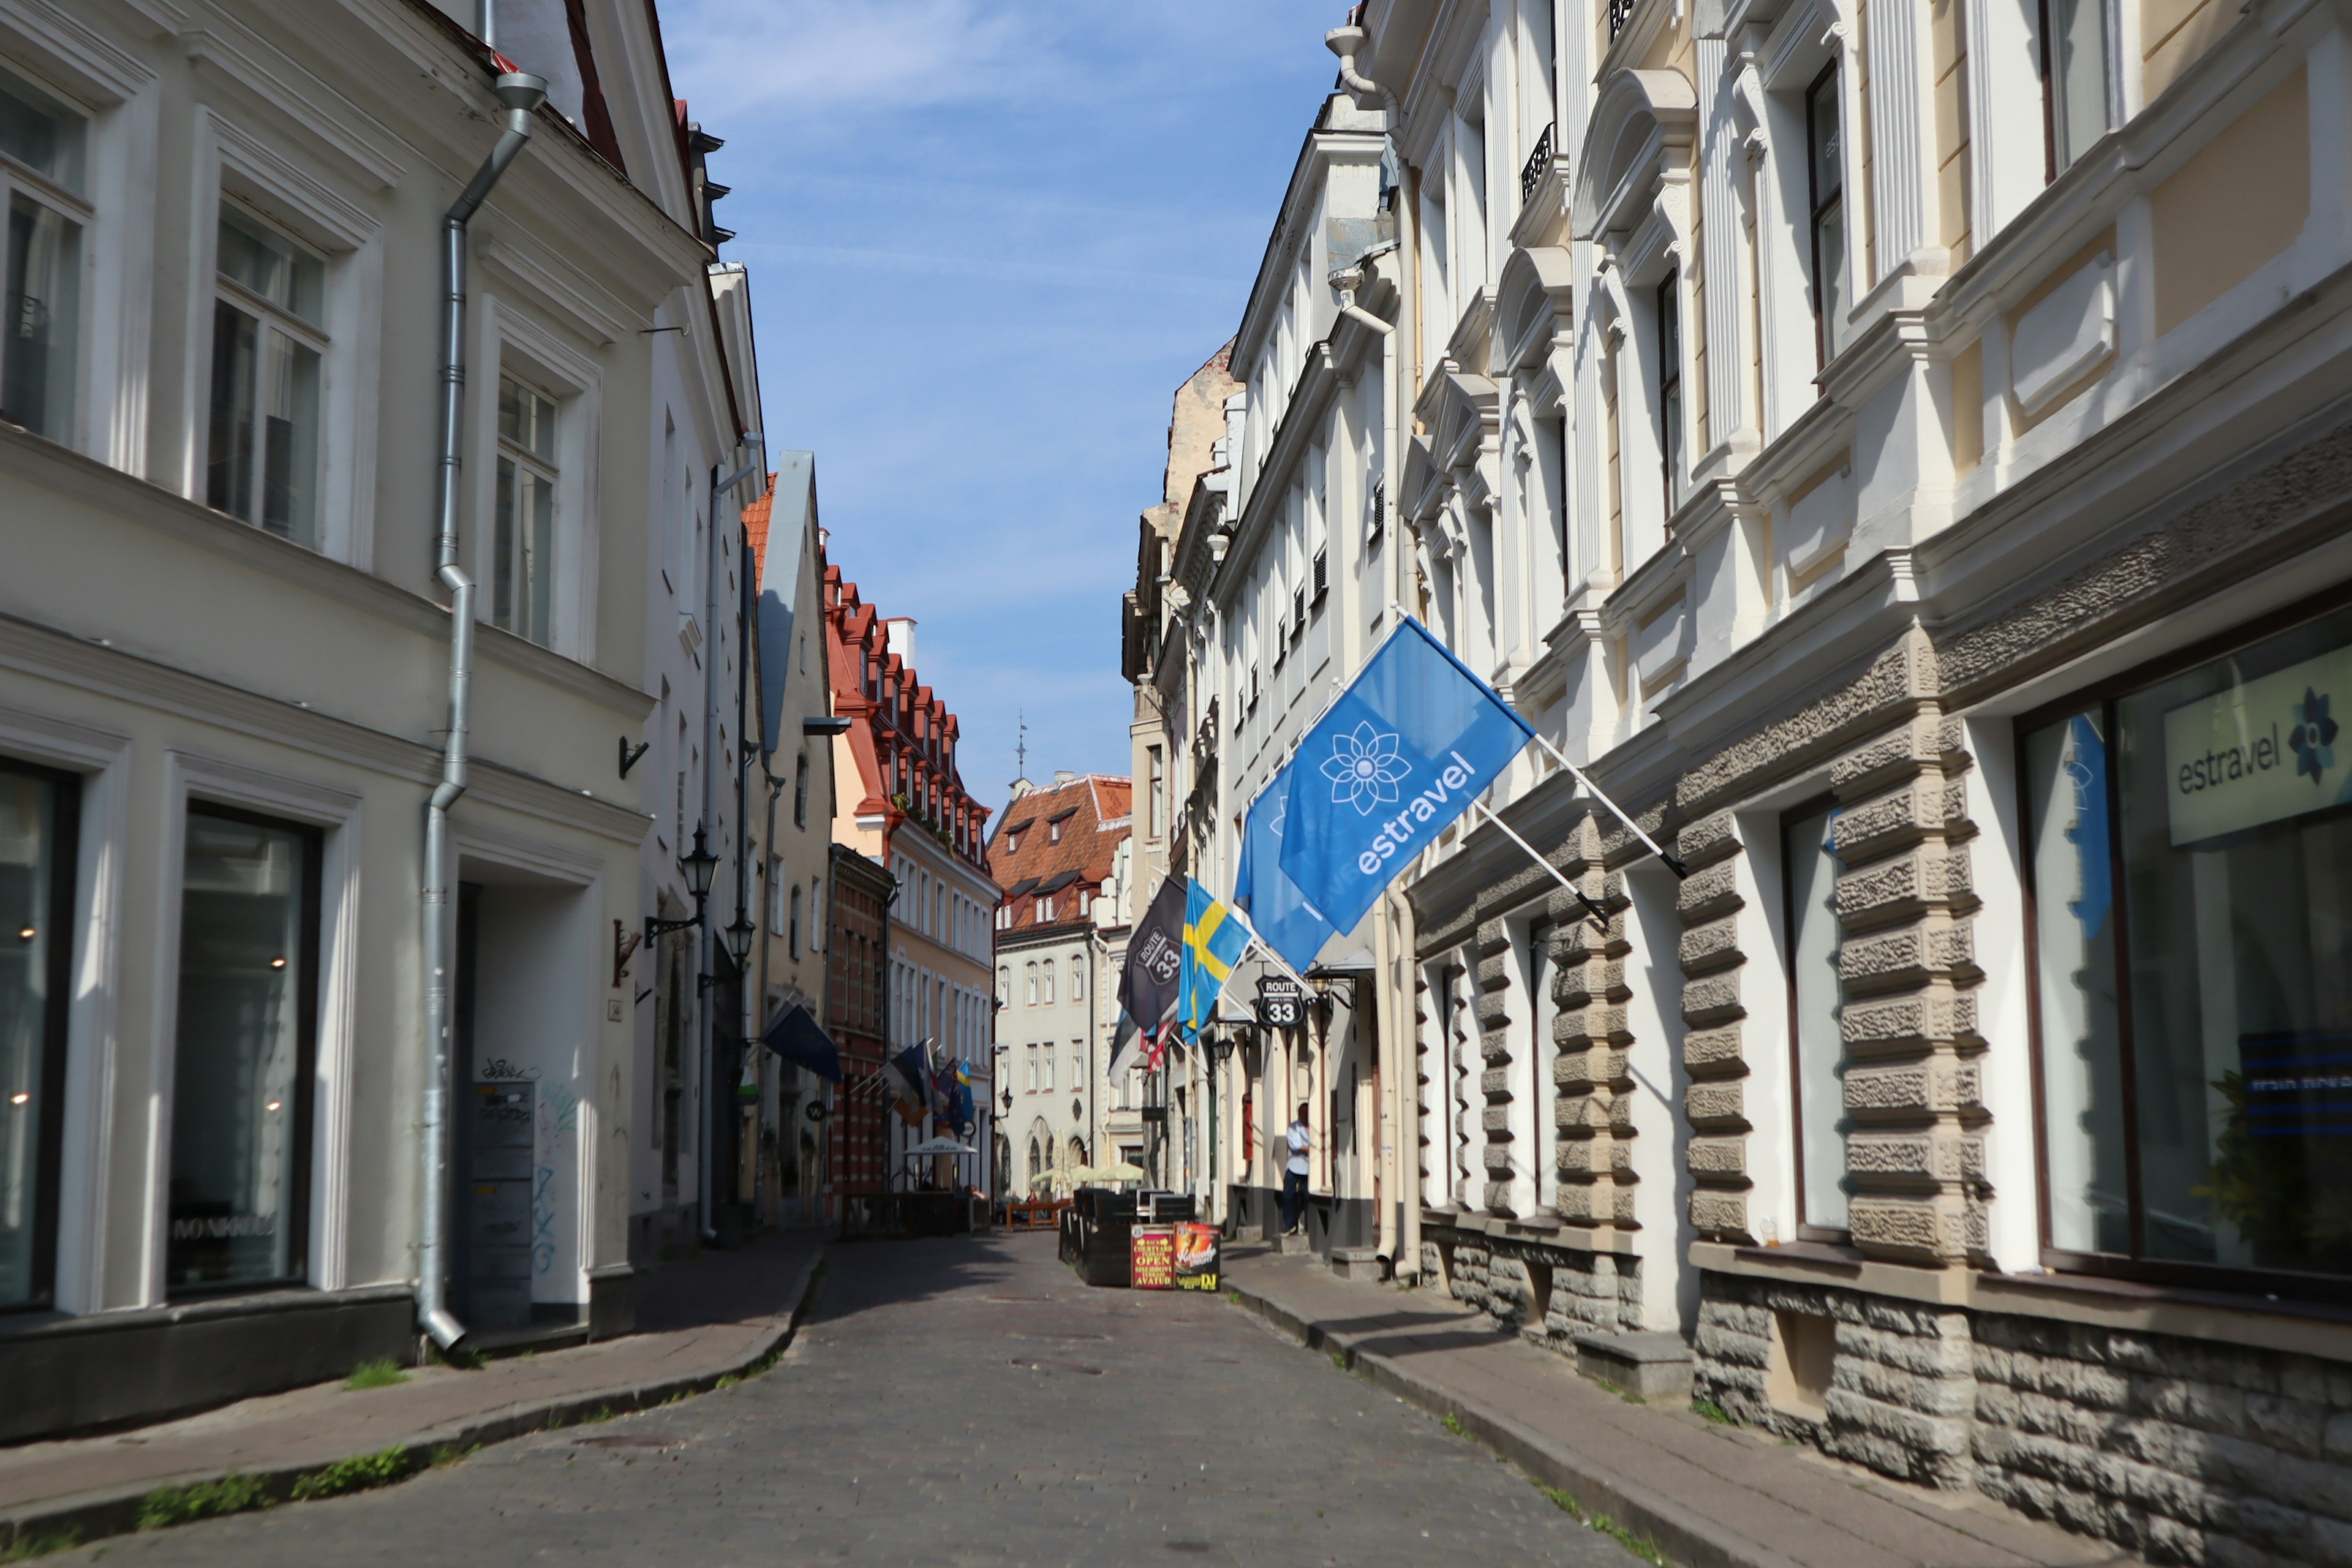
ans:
x=1710 y=1496
x=698 y=1321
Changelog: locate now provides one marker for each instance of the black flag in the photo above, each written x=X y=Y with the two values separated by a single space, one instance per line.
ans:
x=1155 y=956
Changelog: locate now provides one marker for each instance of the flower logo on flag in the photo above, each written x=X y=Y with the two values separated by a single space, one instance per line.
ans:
x=2314 y=737
x=1363 y=769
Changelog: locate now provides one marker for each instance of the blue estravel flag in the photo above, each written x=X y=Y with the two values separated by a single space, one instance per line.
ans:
x=1286 y=921
x=1401 y=753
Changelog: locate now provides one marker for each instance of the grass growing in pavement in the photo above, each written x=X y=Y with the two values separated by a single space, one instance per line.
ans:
x=361 y=1472
x=381 y=1373
x=1452 y=1424
x=27 y=1547
x=1707 y=1409
x=1641 y=1546
x=232 y=1493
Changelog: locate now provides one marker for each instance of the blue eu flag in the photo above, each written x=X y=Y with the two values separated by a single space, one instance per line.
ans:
x=1286 y=921
x=1404 y=753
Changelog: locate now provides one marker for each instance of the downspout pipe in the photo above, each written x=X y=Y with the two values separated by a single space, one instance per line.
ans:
x=522 y=94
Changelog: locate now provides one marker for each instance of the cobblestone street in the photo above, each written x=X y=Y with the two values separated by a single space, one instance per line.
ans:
x=959 y=1402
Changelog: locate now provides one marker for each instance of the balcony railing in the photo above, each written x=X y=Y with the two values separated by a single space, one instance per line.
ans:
x=1537 y=162
x=1620 y=13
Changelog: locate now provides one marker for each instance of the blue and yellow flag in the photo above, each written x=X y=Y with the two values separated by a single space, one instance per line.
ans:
x=1213 y=943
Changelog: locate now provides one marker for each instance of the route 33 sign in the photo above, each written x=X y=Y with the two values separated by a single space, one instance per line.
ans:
x=1281 y=1003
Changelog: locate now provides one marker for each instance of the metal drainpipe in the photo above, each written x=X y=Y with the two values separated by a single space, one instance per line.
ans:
x=522 y=94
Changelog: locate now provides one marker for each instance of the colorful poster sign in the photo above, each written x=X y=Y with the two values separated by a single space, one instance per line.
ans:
x=1197 y=1257
x=2261 y=751
x=1152 y=1260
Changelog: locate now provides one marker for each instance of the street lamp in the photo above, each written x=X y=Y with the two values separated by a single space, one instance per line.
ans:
x=737 y=937
x=697 y=866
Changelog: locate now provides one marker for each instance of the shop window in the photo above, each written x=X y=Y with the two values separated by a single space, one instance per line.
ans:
x=1543 y=1011
x=37 y=860
x=261 y=460
x=2190 y=851
x=41 y=158
x=242 y=1072
x=1816 y=998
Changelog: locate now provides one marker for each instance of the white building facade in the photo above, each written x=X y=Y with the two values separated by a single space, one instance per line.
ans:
x=226 y=709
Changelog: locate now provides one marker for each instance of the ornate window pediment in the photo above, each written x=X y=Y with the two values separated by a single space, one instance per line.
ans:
x=1642 y=123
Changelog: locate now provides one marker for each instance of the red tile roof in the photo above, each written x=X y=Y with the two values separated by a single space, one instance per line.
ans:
x=1024 y=855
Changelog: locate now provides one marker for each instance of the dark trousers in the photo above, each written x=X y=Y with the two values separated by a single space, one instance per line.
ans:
x=1294 y=1198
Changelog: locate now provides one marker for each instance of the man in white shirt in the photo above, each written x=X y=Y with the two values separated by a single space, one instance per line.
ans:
x=1294 y=1177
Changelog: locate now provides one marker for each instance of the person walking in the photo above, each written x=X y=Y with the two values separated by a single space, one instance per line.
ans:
x=1294 y=1177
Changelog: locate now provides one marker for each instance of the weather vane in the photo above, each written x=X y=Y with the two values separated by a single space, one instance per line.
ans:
x=1021 y=751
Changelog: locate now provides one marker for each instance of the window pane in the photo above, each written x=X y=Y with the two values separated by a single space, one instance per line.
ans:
x=44 y=310
x=290 y=448
x=1826 y=147
x=30 y=936
x=228 y=466
x=238 y=1083
x=539 y=559
x=270 y=265
x=42 y=135
x=1835 y=297
x=2238 y=904
x=502 y=583
x=2074 y=954
x=2078 y=85
x=1812 y=868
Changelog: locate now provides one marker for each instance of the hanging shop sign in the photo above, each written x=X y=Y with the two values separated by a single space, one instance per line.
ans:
x=2261 y=751
x=1281 y=1003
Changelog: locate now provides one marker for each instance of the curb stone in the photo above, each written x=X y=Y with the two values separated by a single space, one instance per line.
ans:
x=1689 y=1539
x=94 y=1516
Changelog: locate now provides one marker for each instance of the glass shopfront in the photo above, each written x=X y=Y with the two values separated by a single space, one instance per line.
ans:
x=36 y=859
x=241 y=1085
x=2190 y=856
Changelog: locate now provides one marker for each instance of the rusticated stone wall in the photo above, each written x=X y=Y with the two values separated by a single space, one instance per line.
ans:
x=1545 y=1293
x=1902 y=1389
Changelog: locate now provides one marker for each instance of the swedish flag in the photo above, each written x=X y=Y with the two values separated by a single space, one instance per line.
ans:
x=1213 y=943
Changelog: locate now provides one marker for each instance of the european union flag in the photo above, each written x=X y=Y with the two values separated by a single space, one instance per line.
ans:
x=1286 y=921
x=1212 y=945
x=1404 y=753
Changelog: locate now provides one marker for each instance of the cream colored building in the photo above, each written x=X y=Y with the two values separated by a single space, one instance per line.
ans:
x=1909 y=481
x=225 y=663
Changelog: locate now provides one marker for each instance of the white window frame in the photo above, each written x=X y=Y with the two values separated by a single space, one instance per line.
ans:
x=507 y=340
x=79 y=209
x=236 y=166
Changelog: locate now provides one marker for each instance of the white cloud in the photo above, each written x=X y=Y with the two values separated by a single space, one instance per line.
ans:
x=824 y=60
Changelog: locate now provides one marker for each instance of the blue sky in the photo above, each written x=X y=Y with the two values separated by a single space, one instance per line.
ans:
x=987 y=240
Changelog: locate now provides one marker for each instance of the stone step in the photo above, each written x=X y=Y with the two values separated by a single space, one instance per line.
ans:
x=1296 y=1246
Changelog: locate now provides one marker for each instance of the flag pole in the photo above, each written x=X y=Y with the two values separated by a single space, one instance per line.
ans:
x=1584 y=779
x=1599 y=917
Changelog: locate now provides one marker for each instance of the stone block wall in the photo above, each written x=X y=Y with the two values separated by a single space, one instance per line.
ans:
x=2178 y=1450
x=2181 y=1450
x=1589 y=1290
x=1902 y=1387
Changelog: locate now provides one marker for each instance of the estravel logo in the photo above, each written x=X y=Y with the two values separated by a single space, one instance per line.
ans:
x=1366 y=771
x=2258 y=750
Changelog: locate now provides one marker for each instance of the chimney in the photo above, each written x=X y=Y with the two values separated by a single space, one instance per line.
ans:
x=1064 y=776
x=902 y=639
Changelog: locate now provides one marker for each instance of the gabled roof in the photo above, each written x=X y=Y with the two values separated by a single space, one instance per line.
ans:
x=1093 y=811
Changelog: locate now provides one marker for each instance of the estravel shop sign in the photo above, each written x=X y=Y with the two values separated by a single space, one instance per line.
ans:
x=2264 y=752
